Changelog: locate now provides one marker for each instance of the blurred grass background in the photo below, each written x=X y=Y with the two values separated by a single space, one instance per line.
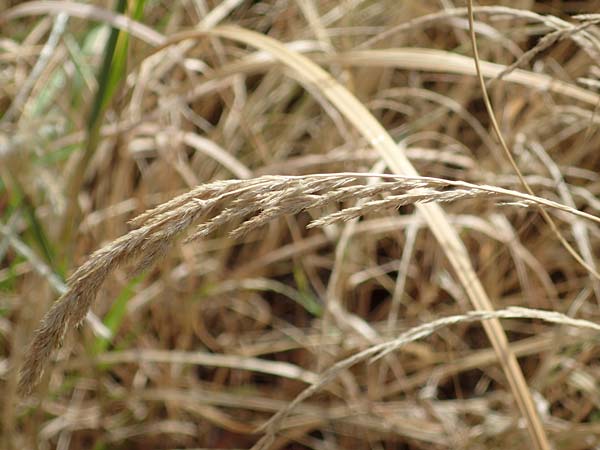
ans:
x=96 y=126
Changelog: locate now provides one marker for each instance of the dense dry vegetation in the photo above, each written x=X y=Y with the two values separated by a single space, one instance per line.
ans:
x=296 y=225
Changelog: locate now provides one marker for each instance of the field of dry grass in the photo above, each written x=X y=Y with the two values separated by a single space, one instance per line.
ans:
x=299 y=224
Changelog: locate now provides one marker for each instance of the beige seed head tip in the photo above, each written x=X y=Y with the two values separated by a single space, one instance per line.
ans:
x=30 y=373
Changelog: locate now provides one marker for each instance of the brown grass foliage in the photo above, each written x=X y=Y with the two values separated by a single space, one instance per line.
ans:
x=296 y=224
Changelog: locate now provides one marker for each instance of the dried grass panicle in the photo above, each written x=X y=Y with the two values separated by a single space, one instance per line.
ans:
x=253 y=203
x=396 y=201
x=378 y=351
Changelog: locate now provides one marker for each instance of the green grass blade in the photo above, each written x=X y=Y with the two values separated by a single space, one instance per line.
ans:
x=111 y=73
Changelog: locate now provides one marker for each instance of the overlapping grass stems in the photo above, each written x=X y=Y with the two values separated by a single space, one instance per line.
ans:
x=190 y=101
x=245 y=205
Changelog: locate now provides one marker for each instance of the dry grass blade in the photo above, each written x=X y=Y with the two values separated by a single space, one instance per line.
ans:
x=279 y=369
x=433 y=60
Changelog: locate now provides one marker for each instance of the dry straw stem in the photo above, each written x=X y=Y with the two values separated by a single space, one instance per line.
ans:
x=247 y=205
x=535 y=427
